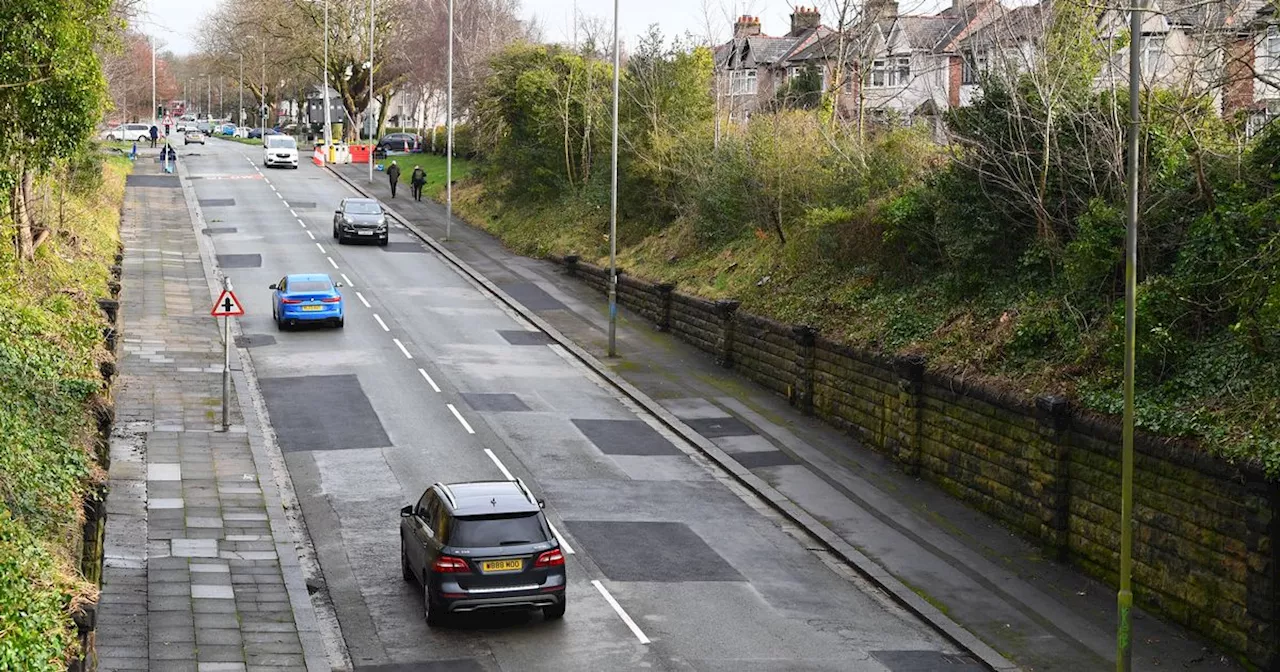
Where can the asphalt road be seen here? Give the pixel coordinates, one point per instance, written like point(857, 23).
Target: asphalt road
point(431, 380)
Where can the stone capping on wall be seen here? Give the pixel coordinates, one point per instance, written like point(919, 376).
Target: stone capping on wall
point(1040, 465)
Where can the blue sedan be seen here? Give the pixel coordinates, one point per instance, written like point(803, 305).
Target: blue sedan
point(306, 298)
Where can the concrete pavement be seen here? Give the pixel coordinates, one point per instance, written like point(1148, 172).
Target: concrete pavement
point(200, 569)
point(1042, 614)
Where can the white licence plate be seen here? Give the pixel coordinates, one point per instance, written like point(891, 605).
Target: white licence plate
point(365, 233)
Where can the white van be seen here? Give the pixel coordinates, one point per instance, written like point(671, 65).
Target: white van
point(280, 150)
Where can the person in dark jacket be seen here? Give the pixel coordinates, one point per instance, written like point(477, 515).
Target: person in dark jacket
point(417, 181)
point(393, 174)
point(155, 133)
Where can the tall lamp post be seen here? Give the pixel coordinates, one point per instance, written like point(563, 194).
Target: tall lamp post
point(240, 109)
point(448, 151)
point(208, 101)
point(154, 112)
point(613, 201)
point(371, 129)
point(328, 132)
point(1124, 599)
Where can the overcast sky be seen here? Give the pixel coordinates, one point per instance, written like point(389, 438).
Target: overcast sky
point(177, 22)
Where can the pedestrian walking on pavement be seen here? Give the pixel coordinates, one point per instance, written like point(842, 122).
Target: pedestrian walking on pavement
point(155, 133)
point(393, 174)
point(418, 180)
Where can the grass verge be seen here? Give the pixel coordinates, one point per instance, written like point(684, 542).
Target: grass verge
point(434, 166)
point(50, 349)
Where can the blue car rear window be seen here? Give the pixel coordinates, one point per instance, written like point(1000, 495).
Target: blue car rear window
point(309, 286)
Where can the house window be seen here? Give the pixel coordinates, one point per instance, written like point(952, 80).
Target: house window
point(975, 64)
point(1273, 48)
point(878, 73)
point(793, 72)
point(902, 72)
point(742, 82)
point(751, 81)
point(1152, 51)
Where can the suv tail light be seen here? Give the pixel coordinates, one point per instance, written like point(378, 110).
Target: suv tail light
point(447, 564)
point(550, 559)
point(331, 299)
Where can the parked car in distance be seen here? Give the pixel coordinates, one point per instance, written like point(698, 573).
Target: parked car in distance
point(482, 545)
point(306, 297)
point(400, 142)
point(227, 129)
point(129, 133)
point(193, 136)
point(204, 126)
point(242, 131)
point(279, 150)
point(360, 219)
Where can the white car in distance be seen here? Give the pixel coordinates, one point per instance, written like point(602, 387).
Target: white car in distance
point(280, 150)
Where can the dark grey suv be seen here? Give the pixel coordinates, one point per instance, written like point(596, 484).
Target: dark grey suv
point(481, 545)
point(360, 219)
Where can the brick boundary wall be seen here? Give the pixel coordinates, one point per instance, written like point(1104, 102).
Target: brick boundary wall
point(1048, 470)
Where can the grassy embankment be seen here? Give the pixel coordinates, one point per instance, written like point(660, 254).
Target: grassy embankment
point(50, 348)
point(433, 164)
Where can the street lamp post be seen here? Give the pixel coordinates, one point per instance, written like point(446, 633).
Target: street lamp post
point(371, 91)
point(208, 101)
point(613, 201)
point(448, 151)
point(154, 121)
point(240, 110)
point(328, 132)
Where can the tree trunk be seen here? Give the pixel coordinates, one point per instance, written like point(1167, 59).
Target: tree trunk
point(385, 102)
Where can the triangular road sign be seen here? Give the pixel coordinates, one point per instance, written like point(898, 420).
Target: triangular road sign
point(227, 305)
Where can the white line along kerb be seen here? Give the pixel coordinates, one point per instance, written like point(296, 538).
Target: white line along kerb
point(361, 297)
point(430, 382)
point(401, 346)
point(461, 419)
point(378, 318)
point(501, 467)
point(635, 629)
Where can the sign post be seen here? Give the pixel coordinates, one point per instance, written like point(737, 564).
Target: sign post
point(226, 307)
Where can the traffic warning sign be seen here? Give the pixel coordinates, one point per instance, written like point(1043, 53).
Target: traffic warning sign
point(227, 305)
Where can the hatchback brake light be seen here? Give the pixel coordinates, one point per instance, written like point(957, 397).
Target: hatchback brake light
point(331, 299)
point(552, 558)
point(447, 564)
point(290, 301)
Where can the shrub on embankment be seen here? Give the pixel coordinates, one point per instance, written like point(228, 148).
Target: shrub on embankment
point(51, 346)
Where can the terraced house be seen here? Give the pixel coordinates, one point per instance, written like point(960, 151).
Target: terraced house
point(908, 67)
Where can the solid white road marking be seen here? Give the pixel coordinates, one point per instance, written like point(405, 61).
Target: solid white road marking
point(401, 346)
point(313, 236)
point(461, 419)
point(564, 545)
point(361, 297)
point(321, 248)
point(332, 262)
point(380, 322)
point(635, 629)
point(346, 279)
point(501, 466)
point(430, 382)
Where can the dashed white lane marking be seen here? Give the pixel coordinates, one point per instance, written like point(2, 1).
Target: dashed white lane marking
point(286, 204)
point(313, 236)
point(564, 545)
point(461, 419)
point(501, 467)
point(319, 246)
point(332, 262)
point(273, 188)
point(635, 629)
point(302, 224)
point(293, 213)
point(380, 322)
point(346, 279)
point(401, 346)
point(361, 297)
point(430, 382)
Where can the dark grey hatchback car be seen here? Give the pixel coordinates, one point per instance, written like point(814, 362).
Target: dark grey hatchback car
point(360, 219)
point(481, 545)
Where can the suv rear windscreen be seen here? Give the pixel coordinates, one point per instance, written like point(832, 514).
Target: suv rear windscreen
point(493, 531)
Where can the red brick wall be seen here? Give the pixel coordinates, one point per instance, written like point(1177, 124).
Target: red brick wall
point(955, 72)
point(1237, 91)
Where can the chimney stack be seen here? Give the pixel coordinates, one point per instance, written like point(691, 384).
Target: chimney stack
point(804, 18)
point(746, 26)
point(881, 10)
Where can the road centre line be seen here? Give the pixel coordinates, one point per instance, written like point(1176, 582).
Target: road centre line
point(293, 213)
point(302, 224)
point(286, 204)
point(332, 262)
point(430, 382)
point(461, 419)
point(501, 466)
point(635, 629)
point(321, 248)
point(564, 545)
point(401, 346)
point(379, 319)
point(361, 297)
point(348, 281)
point(313, 236)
